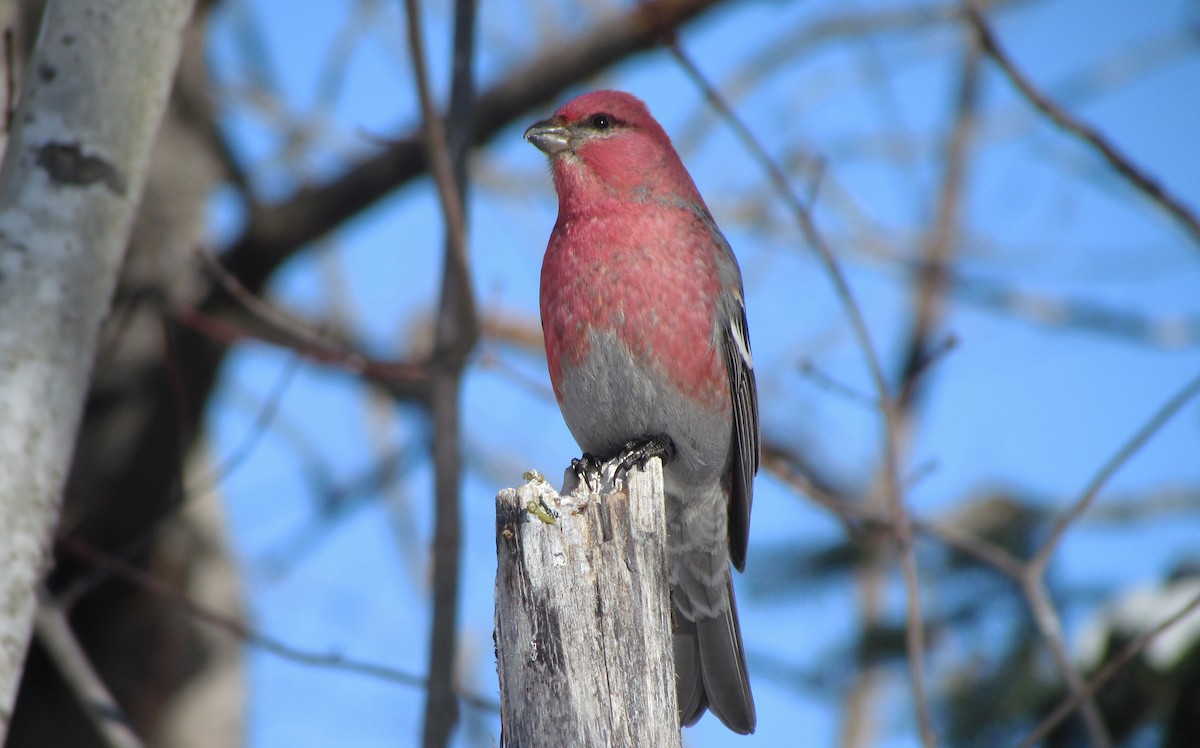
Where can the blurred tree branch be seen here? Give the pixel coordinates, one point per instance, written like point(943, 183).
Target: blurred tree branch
point(275, 232)
point(891, 490)
point(60, 643)
point(1134, 175)
point(457, 330)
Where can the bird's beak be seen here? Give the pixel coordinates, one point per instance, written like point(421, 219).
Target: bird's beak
point(550, 136)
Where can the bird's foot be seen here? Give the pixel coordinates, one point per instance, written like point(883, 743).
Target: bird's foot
point(586, 466)
point(638, 451)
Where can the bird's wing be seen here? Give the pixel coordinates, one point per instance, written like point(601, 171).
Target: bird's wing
point(744, 396)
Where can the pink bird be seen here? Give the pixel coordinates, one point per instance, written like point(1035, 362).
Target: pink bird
point(645, 328)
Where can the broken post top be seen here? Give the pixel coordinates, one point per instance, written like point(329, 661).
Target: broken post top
point(583, 617)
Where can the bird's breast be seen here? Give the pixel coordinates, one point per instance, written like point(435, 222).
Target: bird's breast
point(628, 314)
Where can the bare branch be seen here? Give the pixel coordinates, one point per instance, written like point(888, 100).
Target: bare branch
point(1041, 560)
point(262, 420)
point(848, 25)
point(239, 630)
point(942, 243)
point(1167, 331)
point(402, 379)
point(1046, 617)
point(457, 331)
point(276, 232)
point(902, 524)
point(1114, 665)
point(1087, 134)
point(98, 704)
point(1033, 575)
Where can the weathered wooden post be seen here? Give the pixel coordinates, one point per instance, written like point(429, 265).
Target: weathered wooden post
point(583, 614)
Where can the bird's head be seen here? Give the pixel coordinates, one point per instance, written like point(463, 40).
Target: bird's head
point(597, 120)
point(608, 140)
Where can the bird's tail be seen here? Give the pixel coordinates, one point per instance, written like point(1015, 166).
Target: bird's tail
point(710, 669)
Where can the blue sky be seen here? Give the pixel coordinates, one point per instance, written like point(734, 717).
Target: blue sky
point(1017, 403)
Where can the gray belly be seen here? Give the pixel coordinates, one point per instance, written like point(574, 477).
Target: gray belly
point(610, 400)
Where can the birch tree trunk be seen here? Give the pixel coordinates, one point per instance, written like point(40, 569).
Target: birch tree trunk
point(583, 615)
point(93, 96)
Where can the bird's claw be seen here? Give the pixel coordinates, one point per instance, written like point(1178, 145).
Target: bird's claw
point(585, 466)
point(638, 451)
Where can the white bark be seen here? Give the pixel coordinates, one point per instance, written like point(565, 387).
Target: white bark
point(583, 616)
point(74, 166)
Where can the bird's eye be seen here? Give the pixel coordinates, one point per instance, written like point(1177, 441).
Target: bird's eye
point(602, 121)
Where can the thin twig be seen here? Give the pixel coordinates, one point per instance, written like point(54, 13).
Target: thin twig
point(231, 626)
point(1032, 579)
point(836, 387)
point(262, 421)
point(457, 331)
point(106, 716)
point(858, 518)
point(1119, 162)
point(845, 26)
point(1169, 503)
point(786, 467)
point(274, 318)
point(1042, 559)
point(403, 379)
point(1046, 618)
point(982, 549)
point(942, 242)
point(929, 307)
point(434, 132)
point(1077, 314)
point(277, 231)
point(1104, 674)
point(1032, 582)
point(902, 524)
